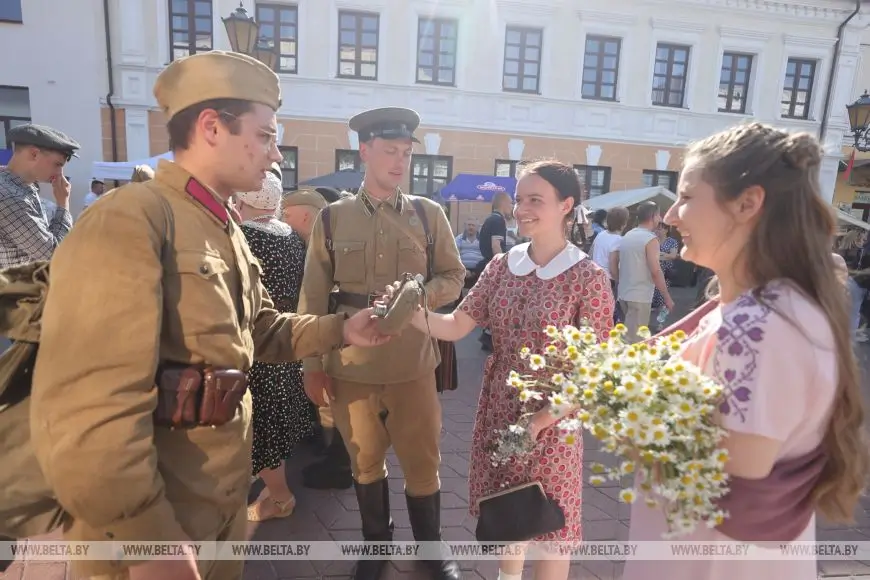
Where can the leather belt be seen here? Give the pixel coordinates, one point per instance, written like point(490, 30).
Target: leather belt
point(352, 300)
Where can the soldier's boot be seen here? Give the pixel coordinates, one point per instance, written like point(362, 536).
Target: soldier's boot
point(377, 525)
point(425, 516)
point(333, 471)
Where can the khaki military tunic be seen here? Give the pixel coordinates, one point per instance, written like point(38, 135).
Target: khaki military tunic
point(370, 253)
point(112, 314)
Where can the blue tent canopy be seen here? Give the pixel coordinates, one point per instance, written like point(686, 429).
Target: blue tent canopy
point(5, 156)
point(471, 187)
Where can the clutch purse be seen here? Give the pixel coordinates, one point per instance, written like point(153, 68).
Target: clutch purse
point(517, 515)
point(395, 315)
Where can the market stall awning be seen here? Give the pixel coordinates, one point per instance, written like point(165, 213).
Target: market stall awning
point(123, 170)
point(629, 197)
point(342, 180)
point(472, 187)
point(848, 218)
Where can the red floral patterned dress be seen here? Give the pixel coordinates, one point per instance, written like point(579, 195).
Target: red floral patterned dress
point(517, 309)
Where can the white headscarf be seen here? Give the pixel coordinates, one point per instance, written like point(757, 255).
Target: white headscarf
point(269, 196)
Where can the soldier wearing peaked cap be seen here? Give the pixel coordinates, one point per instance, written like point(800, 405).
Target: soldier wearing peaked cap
point(362, 244)
point(126, 459)
point(39, 155)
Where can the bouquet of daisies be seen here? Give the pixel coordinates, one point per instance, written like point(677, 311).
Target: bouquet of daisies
point(645, 404)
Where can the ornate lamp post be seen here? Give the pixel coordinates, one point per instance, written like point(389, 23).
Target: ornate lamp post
point(859, 122)
point(243, 32)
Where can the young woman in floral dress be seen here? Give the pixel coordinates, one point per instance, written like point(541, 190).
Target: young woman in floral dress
point(547, 281)
point(778, 340)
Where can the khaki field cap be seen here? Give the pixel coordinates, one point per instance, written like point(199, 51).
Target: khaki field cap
point(215, 75)
point(307, 197)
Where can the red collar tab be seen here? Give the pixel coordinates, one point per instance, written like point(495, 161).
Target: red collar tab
point(197, 191)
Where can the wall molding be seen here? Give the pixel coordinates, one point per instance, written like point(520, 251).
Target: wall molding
point(677, 25)
point(596, 17)
point(768, 8)
point(744, 34)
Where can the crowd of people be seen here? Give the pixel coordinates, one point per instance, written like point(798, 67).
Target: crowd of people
point(208, 276)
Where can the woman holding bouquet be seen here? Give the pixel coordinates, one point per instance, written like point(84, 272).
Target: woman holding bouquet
point(777, 339)
point(547, 281)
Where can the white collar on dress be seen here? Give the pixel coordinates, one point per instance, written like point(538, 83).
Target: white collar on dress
point(520, 264)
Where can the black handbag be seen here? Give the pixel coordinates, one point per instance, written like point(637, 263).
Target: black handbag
point(517, 515)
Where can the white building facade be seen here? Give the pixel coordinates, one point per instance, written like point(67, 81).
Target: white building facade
point(615, 89)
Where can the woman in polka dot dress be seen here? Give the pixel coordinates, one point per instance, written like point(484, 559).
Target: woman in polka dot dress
point(282, 415)
point(546, 281)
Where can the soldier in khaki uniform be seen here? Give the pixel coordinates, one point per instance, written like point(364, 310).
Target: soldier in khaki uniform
point(386, 395)
point(157, 281)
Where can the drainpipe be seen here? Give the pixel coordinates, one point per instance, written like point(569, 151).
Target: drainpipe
point(112, 122)
point(834, 63)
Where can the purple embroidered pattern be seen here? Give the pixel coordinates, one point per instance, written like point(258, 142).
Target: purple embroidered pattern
point(735, 362)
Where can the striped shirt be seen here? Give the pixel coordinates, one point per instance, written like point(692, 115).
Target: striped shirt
point(26, 234)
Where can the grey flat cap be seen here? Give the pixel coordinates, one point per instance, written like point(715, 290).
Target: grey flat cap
point(44, 138)
point(386, 123)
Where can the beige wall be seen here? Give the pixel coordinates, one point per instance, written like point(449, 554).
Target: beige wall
point(472, 152)
point(120, 131)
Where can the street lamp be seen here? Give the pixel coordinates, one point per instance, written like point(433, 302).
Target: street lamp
point(859, 121)
point(243, 32)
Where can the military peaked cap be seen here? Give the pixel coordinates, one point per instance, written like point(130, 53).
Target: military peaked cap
point(44, 138)
point(386, 123)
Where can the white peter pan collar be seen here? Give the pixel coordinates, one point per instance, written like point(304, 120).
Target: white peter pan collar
point(520, 264)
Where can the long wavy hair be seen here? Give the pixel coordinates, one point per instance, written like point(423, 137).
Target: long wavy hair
point(792, 239)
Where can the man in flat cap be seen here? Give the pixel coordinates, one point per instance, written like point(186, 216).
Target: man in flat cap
point(150, 439)
point(39, 155)
point(362, 244)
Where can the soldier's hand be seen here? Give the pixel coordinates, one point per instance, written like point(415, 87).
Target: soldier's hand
point(361, 329)
point(316, 385)
point(184, 569)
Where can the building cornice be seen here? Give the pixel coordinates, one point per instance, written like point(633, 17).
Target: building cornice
point(596, 17)
point(677, 25)
point(780, 9)
point(744, 34)
point(536, 7)
point(808, 41)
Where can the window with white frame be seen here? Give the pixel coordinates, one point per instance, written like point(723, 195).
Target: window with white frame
point(191, 28)
point(797, 89)
point(358, 44)
point(601, 67)
point(670, 74)
point(734, 79)
point(522, 59)
point(436, 51)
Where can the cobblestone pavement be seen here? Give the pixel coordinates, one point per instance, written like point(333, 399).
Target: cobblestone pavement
point(334, 515)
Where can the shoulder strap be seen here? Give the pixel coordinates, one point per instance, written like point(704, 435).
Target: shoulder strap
point(430, 241)
point(168, 223)
point(327, 234)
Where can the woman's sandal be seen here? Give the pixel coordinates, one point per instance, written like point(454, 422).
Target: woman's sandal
point(284, 509)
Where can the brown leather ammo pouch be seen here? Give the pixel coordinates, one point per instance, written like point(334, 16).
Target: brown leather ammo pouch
point(190, 396)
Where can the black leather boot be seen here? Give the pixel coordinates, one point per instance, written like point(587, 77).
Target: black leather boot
point(333, 472)
point(425, 516)
point(377, 525)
